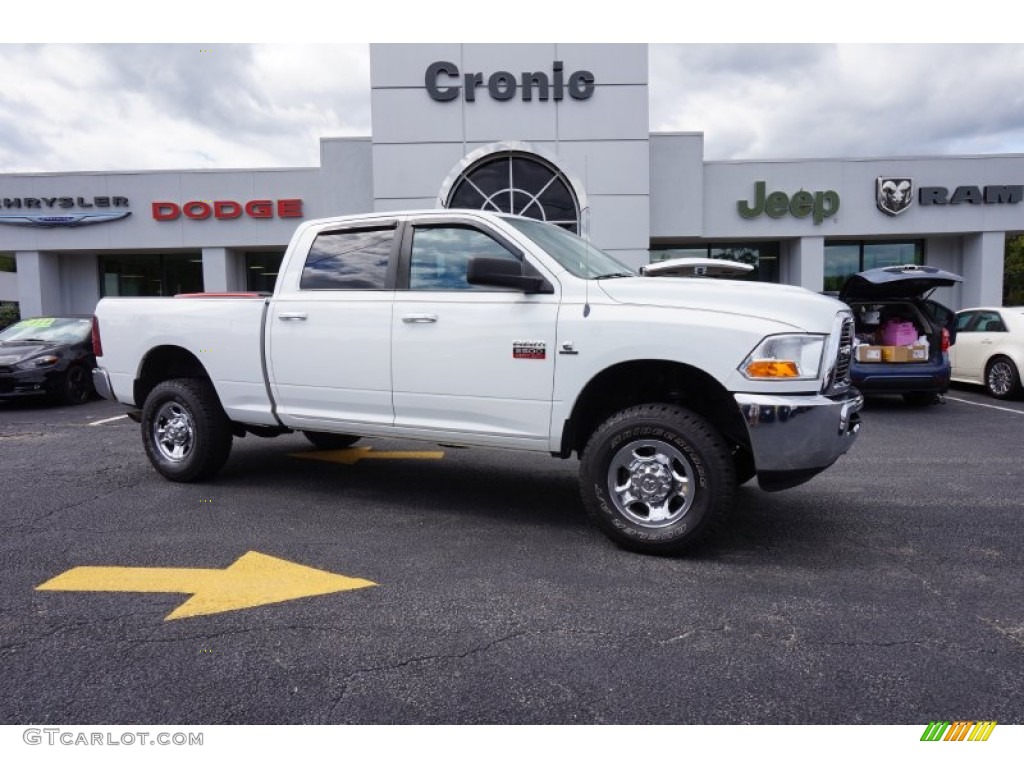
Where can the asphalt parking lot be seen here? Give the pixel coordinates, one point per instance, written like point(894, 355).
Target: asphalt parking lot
point(887, 590)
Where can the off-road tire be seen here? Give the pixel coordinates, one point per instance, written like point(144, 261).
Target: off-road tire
point(677, 463)
point(185, 431)
point(329, 441)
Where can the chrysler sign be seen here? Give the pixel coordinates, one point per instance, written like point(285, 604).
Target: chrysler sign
point(58, 211)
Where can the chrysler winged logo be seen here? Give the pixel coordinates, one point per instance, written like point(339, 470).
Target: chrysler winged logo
point(893, 196)
point(61, 220)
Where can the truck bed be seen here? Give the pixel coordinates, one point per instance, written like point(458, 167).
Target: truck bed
point(223, 332)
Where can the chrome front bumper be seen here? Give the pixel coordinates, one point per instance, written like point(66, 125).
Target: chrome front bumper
point(794, 437)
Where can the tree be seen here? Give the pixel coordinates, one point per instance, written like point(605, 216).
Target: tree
point(1013, 272)
point(9, 313)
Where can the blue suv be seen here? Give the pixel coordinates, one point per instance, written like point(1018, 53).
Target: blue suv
point(919, 369)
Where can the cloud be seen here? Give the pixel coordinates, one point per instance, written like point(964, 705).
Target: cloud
point(118, 107)
point(154, 106)
point(779, 101)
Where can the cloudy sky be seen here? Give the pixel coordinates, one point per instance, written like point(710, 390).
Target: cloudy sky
point(90, 106)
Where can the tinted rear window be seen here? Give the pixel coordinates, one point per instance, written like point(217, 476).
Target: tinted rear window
point(356, 260)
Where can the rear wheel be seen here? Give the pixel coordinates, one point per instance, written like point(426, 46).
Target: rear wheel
point(656, 478)
point(1002, 379)
point(329, 441)
point(185, 431)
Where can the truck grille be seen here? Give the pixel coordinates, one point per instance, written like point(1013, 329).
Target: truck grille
point(837, 379)
point(845, 355)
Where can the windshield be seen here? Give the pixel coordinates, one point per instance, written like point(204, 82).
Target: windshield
point(579, 257)
point(59, 330)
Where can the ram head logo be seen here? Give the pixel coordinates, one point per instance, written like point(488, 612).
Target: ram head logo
point(894, 196)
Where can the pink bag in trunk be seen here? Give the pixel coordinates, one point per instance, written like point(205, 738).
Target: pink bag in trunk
point(898, 334)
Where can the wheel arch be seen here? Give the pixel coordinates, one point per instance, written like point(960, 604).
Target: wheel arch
point(165, 362)
point(636, 382)
point(1017, 358)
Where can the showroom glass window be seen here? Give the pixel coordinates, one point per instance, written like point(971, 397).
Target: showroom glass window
point(843, 259)
point(261, 269)
point(763, 257)
point(522, 184)
point(151, 274)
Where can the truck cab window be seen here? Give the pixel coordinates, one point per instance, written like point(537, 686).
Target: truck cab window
point(356, 260)
point(440, 256)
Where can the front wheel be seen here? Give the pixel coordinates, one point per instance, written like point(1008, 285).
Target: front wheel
point(1002, 379)
point(76, 388)
point(185, 431)
point(657, 478)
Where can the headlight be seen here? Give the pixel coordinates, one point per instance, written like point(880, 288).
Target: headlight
point(37, 362)
point(787, 356)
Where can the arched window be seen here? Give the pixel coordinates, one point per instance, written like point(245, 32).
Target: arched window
point(514, 182)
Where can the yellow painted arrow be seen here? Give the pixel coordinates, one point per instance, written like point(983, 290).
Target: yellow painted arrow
point(352, 455)
point(253, 579)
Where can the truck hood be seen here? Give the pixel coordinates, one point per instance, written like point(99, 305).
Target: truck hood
point(787, 304)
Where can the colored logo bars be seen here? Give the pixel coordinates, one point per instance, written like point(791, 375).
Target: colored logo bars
point(958, 730)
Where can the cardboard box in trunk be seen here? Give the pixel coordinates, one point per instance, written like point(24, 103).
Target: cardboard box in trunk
point(871, 353)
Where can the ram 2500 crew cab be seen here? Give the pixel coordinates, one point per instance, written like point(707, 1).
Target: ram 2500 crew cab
point(472, 328)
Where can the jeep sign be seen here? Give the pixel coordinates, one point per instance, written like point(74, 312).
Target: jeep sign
point(818, 205)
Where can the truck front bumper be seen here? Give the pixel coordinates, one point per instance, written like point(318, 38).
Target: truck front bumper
point(794, 437)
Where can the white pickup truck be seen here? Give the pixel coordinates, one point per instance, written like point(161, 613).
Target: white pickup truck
point(471, 328)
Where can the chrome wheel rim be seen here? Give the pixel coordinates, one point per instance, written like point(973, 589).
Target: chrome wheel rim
point(651, 483)
point(174, 432)
point(1000, 378)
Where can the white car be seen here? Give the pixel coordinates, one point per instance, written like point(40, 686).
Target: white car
point(989, 349)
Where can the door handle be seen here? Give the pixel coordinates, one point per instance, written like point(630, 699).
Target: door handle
point(293, 315)
point(419, 318)
point(987, 341)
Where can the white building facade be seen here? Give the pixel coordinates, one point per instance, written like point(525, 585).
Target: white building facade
point(553, 131)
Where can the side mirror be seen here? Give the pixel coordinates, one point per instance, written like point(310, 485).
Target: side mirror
point(504, 273)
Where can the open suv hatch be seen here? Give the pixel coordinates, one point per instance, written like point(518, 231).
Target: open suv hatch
point(901, 336)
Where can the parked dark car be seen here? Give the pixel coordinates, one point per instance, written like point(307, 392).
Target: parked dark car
point(48, 356)
point(902, 337)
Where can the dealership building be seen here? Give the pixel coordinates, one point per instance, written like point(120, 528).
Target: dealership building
point(553, 131)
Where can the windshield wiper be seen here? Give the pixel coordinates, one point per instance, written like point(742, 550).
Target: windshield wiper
point(614, 274)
